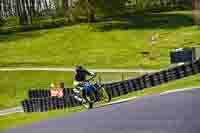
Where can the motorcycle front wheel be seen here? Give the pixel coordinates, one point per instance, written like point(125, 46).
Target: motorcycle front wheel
point(89, 100)
point(104, 95)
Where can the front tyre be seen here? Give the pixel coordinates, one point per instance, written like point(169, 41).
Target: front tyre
point(90, 99)
point(106, 96)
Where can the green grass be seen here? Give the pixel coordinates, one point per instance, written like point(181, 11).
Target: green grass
point(18, 119)
point(116, 44)
point(26, 118)
point(14, 85)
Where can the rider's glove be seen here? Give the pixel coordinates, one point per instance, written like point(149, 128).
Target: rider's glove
point(92, 73)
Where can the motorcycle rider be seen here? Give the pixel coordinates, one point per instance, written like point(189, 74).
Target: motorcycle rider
point(79, 81)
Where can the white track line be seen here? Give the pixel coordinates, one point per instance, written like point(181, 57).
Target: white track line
point(117, 102)
point(11, 111)
point(72, 69)
point(179, 90)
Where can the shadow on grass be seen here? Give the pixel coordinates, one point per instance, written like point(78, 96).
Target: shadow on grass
point(144, 21)
point(20, 32)
point(17, 36)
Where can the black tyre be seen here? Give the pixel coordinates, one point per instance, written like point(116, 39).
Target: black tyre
point(90, 100)
point(106, 96)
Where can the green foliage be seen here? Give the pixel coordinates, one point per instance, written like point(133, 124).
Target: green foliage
point(2, 21)
point(110, 7)
point(86, 8)
point(9, 21)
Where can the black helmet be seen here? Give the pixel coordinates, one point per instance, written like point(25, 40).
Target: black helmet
point(78, 68)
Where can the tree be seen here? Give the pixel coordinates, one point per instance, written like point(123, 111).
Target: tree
point(196, 11)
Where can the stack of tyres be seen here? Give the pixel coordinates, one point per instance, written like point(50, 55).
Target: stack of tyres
point(42, 105)
point(68, 91)
point(30, 106)
point(197, 65)
point(135, 84)
point(161, 77)
point(50, 103)
point(25, 105)
point(189, 69)
point(167, 74)
point(177, 72)
point(184, 70)
point(66, 102)
point(38, 103)
point(140, 83)
point(172, 72)
point(114, 90)
point(195, 68)
point(147, 81)
point(38, 93)
point(30, 94)
point(128, 86)
point(54, 102)
point(61, 103)
point(155, 79)
point(124, 88)
point(71, 101)
point(45, 105)
point(181, 72)
point(119, 88)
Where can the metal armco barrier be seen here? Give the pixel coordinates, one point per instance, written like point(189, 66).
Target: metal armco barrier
point(40, 100)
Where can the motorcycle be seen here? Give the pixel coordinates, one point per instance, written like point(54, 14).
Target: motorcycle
point(90, 93)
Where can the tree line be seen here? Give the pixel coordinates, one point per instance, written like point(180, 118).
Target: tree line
point(28, 10)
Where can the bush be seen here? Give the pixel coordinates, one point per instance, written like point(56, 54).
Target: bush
point(2, 21)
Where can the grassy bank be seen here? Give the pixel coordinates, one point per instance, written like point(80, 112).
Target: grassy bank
point(119, 43)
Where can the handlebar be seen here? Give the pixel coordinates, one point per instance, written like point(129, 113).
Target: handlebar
point(92, 77)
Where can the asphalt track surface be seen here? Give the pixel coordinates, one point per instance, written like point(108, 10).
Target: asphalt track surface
point(177, 112)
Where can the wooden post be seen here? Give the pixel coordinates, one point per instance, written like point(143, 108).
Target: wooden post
point(99, 78)
point(122, 76)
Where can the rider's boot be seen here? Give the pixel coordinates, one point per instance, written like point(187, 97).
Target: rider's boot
point(82, 100)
